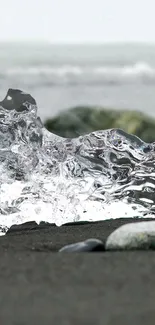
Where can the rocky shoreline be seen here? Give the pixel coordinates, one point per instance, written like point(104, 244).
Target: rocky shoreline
point(40, 282)
point(40, 286)
point(114, 234)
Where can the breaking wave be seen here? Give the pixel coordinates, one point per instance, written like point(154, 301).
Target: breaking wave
point(43, 177)
point(140, 72)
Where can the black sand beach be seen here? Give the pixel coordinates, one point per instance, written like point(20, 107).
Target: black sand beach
point(39, 286)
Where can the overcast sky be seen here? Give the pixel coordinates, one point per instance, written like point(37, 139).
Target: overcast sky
point(78, 21)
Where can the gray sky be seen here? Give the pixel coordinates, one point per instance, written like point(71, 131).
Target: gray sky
point(78, 21)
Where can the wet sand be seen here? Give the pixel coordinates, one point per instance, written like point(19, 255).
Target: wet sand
point(40, 286)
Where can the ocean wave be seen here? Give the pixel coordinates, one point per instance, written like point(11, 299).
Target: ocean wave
point(45, 70)
point(138, 69)
point(44, 177)
point(140, 72)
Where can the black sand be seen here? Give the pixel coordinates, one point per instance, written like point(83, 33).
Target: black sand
point(39, 286)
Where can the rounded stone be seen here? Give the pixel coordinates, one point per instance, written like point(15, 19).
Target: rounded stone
point(89, 245)
point(138, 235)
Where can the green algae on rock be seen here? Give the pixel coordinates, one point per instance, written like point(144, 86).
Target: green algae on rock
point(80, 120)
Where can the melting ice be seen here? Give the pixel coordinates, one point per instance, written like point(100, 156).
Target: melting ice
point(43, 177)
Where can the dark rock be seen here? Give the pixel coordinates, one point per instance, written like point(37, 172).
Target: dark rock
point(89, 245)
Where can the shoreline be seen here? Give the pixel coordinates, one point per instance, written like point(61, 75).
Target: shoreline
point(39, 286)
point(46, 233)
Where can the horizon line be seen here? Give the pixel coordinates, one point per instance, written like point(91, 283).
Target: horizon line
point(83, 43)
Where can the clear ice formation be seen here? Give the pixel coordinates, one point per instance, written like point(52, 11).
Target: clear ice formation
point(44, 177)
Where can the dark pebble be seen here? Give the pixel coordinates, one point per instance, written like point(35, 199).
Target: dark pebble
point(89, 245)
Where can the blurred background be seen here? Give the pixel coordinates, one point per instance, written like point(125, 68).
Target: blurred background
point(95, 57)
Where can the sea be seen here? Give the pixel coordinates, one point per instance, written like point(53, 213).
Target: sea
point(106, 174)
point(119, 76)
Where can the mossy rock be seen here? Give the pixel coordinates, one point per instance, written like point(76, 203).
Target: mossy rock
point(82, 120)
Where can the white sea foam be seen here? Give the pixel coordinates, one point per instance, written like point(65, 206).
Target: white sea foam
point(138, 72)
point(43, 177)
